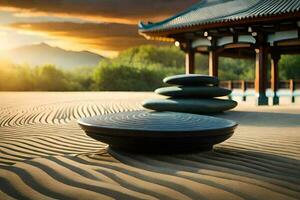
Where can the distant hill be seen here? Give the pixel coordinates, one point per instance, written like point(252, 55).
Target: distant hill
point(43, 53)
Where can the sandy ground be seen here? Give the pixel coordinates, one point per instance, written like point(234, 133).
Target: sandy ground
point(45, 155)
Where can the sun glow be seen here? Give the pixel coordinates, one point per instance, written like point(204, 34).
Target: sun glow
point(10, 39)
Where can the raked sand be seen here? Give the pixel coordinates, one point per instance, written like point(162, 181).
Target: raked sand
point(45, 155)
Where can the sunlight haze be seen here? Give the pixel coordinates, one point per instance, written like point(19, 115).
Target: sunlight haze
point(102, 27)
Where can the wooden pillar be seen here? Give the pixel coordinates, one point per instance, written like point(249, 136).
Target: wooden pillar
point(190, 61)
point(261, 75)
point(274, 76)
point(292, 89)
point(213, 62)
point(244, 88)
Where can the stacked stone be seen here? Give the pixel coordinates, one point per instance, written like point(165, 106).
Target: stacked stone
point(192, 93)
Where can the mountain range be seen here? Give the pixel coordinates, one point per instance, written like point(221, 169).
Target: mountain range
point(41, 54)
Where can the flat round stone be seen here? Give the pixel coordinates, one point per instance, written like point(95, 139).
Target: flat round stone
point(198, 106)
point(191, 79)
point(159, 132)
point(196, 91)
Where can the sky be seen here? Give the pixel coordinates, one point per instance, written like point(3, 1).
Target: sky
point(101, 26)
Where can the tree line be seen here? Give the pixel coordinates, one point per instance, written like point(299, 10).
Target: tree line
point(139, 68)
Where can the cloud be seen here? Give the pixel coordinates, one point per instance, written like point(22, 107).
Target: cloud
point(122, 11)
point(104, 36)
point(96, 25)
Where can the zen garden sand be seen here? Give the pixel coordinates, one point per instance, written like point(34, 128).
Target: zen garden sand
point(45, 154)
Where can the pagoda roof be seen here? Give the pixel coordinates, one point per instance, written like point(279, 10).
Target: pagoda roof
point(221, 12)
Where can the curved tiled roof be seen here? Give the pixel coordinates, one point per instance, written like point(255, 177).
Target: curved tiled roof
point(217, 11)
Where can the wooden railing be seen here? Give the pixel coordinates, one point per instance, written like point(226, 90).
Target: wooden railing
point(244, 85)
point(291, 84)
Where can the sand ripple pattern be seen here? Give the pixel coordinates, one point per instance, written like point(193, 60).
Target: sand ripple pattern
point(60, 113)
point(27, 142)
point(221, 174)
point(52, 158)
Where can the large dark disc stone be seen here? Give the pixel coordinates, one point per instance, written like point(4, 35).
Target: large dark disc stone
point(191, 79)
point(158, 132)
point(195, 91)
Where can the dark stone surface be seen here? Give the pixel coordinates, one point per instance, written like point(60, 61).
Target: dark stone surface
point(191, 79)
point(158, 132)
point(189, 92)
point(197, 106)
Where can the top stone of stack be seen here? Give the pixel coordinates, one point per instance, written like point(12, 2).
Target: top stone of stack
point(191, 79)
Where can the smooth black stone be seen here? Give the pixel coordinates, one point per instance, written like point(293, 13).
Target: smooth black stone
point(191, 79)
point(197, 106)
point(158, 132)
point(197, 91)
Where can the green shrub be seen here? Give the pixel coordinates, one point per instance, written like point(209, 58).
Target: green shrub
point(125, 78)
point(49, 78)
point(236, 69)
point(289, 67)
point(149, 55)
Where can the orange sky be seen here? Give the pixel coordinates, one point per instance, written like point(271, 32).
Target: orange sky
point(101, 26)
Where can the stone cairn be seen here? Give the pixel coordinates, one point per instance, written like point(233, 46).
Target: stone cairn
point(192, 93)
point(168, 132)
